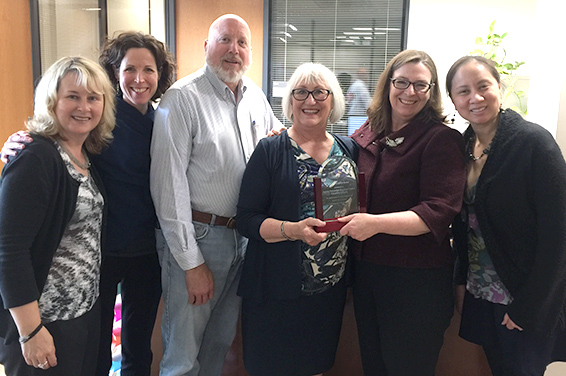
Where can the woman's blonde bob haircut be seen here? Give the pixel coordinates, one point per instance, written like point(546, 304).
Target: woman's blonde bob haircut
point(316, 74)
point(89, 75)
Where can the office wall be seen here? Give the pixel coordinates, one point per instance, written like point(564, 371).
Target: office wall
point(447, 30)
point(16, 96)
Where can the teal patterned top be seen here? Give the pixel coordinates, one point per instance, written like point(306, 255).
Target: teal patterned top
point(323, 265)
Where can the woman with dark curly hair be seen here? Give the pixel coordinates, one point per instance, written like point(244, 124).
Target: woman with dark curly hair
point(142, 69)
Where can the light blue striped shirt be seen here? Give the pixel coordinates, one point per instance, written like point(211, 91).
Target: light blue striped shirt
point(203, 137)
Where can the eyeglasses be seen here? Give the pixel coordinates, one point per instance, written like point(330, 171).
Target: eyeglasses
point(420, 87)
point(317, 94)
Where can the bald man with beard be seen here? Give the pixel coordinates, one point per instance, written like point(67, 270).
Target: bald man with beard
point(205, 131)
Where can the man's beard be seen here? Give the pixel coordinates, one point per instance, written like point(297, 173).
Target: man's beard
point(226, 75)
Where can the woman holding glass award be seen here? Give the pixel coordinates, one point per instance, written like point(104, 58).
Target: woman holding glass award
point(292, 282)
point(414, 166)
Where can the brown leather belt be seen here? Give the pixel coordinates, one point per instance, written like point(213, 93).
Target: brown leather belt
point(218, 220)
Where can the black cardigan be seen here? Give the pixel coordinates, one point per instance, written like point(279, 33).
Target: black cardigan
point(37, 200)
point(270, 189)
point(521, 208)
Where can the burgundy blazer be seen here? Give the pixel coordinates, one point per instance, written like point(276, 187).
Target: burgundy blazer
point(423, 171)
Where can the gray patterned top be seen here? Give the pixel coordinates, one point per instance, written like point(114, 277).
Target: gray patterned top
point(72, 284)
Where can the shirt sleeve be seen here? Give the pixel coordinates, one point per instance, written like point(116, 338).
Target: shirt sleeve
point(255, 194)
point(272, 122)
point(171, 148)
point(443, 180)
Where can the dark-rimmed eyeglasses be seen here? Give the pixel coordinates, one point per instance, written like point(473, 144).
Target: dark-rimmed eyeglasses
point(419, 86)
point(317, 94)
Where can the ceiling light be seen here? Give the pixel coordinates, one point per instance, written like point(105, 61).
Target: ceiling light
point(356, 33)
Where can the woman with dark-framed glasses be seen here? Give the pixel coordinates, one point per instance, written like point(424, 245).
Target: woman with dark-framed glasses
point(292, 281)
point(403, 296)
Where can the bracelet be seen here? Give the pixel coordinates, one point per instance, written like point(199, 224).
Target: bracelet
point(24, 339)
point(283, 232)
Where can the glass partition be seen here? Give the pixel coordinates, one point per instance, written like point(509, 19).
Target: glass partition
point(354, 38)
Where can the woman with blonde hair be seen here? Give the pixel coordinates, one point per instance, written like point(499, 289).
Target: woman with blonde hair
point(52, 217)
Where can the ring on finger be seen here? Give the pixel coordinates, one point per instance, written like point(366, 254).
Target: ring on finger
point(42, 365)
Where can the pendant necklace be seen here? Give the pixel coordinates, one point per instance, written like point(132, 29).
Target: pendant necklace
point(84, 166)
point(471, 149)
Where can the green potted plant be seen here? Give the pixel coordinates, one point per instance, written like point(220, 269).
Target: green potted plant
point(492, 48)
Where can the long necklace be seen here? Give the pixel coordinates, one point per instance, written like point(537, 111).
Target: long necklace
point(471, 149)
point(84, 166)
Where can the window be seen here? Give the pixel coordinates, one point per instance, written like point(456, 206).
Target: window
point(65, 27)
point(344, 35)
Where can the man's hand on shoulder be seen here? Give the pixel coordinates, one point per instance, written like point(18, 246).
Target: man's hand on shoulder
point(200, 284)
point(276, 132)
point(14, 144)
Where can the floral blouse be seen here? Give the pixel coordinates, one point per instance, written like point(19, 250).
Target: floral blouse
point(324, 264)
point(483, 281)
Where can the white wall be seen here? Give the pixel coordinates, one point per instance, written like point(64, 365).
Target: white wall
point(447, 29)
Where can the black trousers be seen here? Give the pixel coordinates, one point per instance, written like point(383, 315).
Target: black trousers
point(140, 279)
point(76, 347)
point(401, 315)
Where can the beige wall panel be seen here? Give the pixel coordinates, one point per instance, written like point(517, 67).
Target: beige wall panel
point(195, 16)
point(16, 96)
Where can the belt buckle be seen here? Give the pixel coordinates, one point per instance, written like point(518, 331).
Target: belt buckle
point(231, 224)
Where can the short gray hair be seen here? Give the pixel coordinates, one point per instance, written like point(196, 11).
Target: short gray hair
point(314, 73)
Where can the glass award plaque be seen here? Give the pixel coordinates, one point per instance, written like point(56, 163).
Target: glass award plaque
point(339, 190)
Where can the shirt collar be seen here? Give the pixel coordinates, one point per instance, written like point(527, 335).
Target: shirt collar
point(220, 86)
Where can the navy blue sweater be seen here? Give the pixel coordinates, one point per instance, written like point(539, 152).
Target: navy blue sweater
point(124, 169)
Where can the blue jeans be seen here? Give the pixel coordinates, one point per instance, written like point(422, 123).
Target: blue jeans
point(197, 338)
